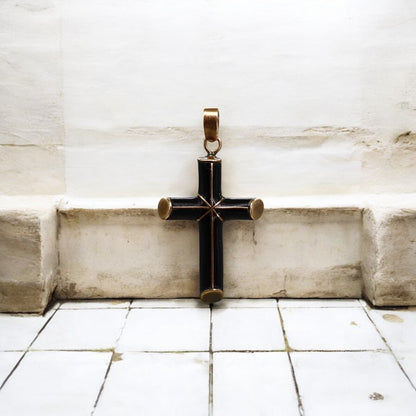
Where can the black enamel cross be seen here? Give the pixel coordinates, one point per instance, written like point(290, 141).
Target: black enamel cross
point(210, 209)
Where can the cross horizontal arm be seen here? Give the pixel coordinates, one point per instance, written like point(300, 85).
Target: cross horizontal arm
point(240, 209)
point(181, 208)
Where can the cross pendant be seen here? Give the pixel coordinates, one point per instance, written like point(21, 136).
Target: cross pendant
point(210, 209)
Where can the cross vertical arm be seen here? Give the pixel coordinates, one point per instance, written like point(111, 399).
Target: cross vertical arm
point(210, 259)
point(209, 184)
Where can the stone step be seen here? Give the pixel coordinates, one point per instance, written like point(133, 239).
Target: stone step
point(305, 247)
point(28, 252)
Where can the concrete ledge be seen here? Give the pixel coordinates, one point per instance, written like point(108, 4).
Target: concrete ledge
point(120, 248)
point(302, 247)
point(28, 253)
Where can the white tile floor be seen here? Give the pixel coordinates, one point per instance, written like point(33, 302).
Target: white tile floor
point(179, 357)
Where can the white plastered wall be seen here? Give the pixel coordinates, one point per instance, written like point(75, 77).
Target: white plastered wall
point(31, 105)
point(314, 96)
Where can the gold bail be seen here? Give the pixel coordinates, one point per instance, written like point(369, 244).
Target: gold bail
point(211, 123)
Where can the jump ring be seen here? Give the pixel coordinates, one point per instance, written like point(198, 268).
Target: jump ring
point(213, 152)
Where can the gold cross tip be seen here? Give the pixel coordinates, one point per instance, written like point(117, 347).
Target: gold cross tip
point(164, 208)
point(211, 295)
point(256, 208)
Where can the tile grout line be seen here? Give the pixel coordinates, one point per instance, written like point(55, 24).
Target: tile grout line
point(28, 348)
point(211, 368)
point(195, 351)
point(113, 356)
point(389, 348)
point(93, 309)
point(288, 349)
point(124, 324)
point(102, 384)
point(300, 404)
point(320, 307)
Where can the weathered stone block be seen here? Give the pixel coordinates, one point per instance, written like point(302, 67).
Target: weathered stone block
point(114, 249)
point(295, 252)
point(28, 254)
point(389, 256)
point(126, 252)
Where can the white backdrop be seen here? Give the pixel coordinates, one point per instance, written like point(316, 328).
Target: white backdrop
point(104, 98)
